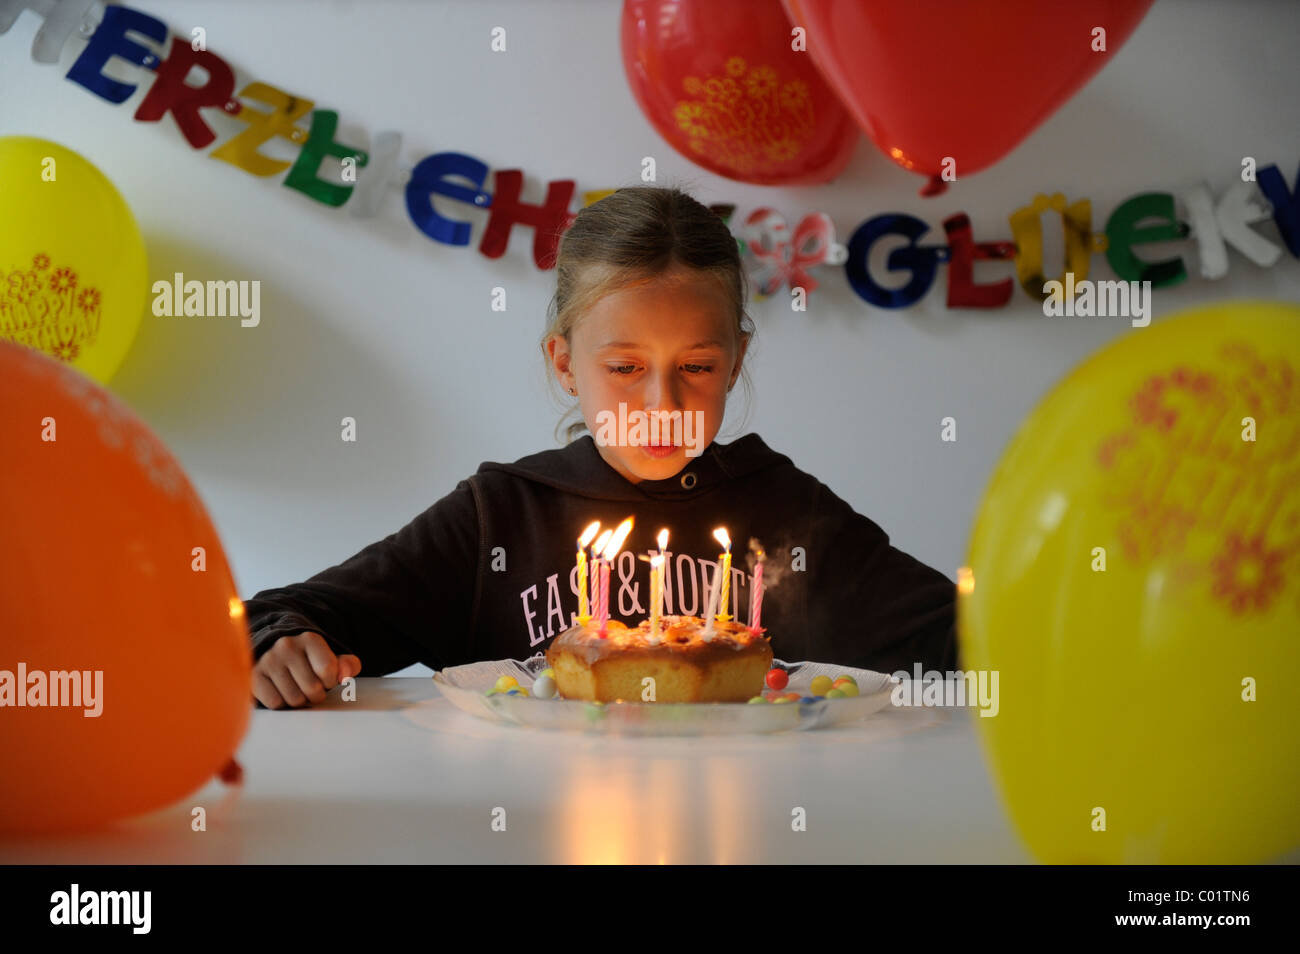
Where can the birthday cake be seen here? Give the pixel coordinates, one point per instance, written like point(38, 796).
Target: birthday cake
point(687, 662)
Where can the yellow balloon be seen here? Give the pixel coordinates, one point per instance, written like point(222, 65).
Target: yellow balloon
point(73, 270)
point(1135, 582)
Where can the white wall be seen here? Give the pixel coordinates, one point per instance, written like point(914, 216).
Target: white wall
point(373, 320)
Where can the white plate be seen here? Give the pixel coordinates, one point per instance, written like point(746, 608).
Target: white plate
point(465, 686)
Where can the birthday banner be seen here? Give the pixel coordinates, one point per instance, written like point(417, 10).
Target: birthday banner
point(776, 256)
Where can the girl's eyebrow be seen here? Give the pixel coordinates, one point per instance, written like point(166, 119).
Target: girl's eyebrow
point(707, 343)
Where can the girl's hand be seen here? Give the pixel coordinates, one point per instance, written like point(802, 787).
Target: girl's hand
point(299, 669)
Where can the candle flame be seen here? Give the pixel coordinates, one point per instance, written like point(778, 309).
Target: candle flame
point(616, 542)
point(656, 560)
point(663, 539)
point(236, 607)
point(965, 580)
point(601, 541)
point(593, 528)
point(720, 535)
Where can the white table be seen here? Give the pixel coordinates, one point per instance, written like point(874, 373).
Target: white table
point(401, 776)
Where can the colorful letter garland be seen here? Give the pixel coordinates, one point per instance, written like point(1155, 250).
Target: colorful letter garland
point(777, 258)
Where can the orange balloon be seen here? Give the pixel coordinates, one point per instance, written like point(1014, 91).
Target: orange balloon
point(109, 567)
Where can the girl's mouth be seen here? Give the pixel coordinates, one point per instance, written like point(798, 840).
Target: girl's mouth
point(659, 450)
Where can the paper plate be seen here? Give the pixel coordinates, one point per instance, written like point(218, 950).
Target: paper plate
point(465, 686)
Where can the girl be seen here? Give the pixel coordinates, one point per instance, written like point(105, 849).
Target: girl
point(648, 319)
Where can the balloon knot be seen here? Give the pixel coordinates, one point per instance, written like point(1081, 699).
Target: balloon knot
point(232, 773)
point(936, 186)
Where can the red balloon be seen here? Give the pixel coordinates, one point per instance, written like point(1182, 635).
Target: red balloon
point(720, 82)
point(929, 80)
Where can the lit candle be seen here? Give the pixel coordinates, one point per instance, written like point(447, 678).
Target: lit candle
point(596, 548)
point(720, 535)
point(663, 567)
point(603, 595)
point(712, 608)
point(656, 594)
point(584, 606)
point(756, 601)
point(608, 553)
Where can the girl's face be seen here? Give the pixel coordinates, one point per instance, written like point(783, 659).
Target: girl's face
point(666, 345)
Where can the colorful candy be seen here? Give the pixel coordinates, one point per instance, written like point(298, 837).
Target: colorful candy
point(544, 686)
point(843, 686)
point(506, 683)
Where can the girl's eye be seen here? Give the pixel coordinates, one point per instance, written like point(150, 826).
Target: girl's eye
point(620, 368)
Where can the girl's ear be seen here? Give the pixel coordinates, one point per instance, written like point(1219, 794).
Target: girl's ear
point(558, 349)
point(740, 362)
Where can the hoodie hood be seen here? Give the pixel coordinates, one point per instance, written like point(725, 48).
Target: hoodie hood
point(579, 469)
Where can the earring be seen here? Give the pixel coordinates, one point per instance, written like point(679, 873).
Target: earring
point(573, 390)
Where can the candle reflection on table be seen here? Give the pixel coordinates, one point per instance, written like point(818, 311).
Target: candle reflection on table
point(616, 810)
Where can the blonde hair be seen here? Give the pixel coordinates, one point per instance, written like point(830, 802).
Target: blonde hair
point(630, 236)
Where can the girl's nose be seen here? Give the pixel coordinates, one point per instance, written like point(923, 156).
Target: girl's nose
point(661, 392)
